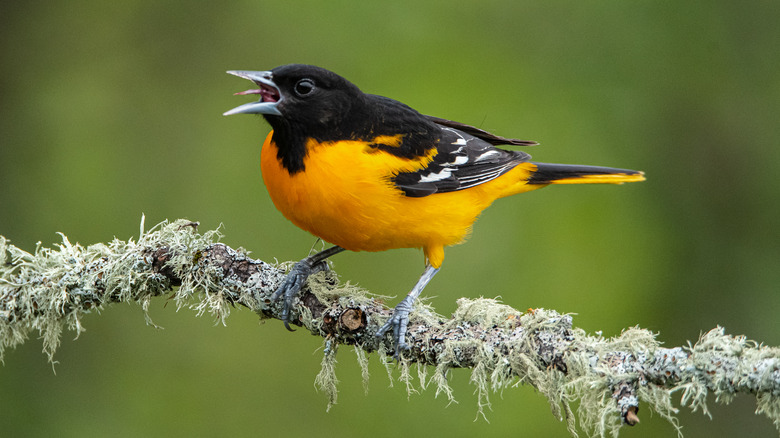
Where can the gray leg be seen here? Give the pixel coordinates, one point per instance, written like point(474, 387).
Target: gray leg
point(400, 318)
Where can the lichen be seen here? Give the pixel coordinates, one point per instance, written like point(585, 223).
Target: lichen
point(50, 290)
point(362, 360)
point(442, 386)
point(326, 380)
point(405, 376)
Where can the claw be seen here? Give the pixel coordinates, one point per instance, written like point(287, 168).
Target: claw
point(399, 321)
point(291, 286)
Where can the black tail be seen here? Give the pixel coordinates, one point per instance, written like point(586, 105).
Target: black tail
point(547, 173)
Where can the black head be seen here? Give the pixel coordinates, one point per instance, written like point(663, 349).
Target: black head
point(309, 99)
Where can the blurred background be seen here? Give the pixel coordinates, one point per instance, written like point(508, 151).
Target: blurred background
point(113, 109)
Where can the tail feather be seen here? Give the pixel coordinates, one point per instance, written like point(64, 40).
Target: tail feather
point(547, 173)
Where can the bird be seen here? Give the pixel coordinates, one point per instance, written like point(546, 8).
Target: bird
point(365, 172)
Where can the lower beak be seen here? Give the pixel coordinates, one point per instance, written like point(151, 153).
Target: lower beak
point(269, 92)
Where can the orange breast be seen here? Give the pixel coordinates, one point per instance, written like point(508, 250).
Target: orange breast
point(346, 197)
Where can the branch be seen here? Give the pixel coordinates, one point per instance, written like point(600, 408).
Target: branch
point(609, 377)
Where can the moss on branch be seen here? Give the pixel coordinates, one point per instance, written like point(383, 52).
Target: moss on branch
point(52, 288)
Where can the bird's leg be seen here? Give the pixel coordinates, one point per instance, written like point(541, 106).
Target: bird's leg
point(400, 318)
point(295, 280)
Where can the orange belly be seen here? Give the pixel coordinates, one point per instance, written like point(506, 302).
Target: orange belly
point(346, 197)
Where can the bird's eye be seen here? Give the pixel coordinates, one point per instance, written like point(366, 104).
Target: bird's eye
point(304, 87)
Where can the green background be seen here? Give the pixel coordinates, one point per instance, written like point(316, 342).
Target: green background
point(113, 109)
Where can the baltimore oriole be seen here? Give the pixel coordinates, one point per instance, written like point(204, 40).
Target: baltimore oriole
point(368, 173)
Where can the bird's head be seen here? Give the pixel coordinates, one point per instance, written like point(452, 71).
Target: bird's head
point(300, 96)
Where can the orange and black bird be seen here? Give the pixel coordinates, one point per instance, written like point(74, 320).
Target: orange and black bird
point(368, 173)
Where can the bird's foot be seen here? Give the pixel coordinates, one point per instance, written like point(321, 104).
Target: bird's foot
point(398, 322)
point(292, 284)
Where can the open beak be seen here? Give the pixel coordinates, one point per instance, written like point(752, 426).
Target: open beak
point(270, 97)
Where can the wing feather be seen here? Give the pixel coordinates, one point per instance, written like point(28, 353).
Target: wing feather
point(463, 160)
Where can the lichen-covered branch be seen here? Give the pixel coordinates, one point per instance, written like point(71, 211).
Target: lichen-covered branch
point(610, 377)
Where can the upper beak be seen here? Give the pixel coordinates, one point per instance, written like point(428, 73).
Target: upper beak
point(269, 93)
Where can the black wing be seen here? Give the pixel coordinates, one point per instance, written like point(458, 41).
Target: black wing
point(479, 133)
point(463, 160)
